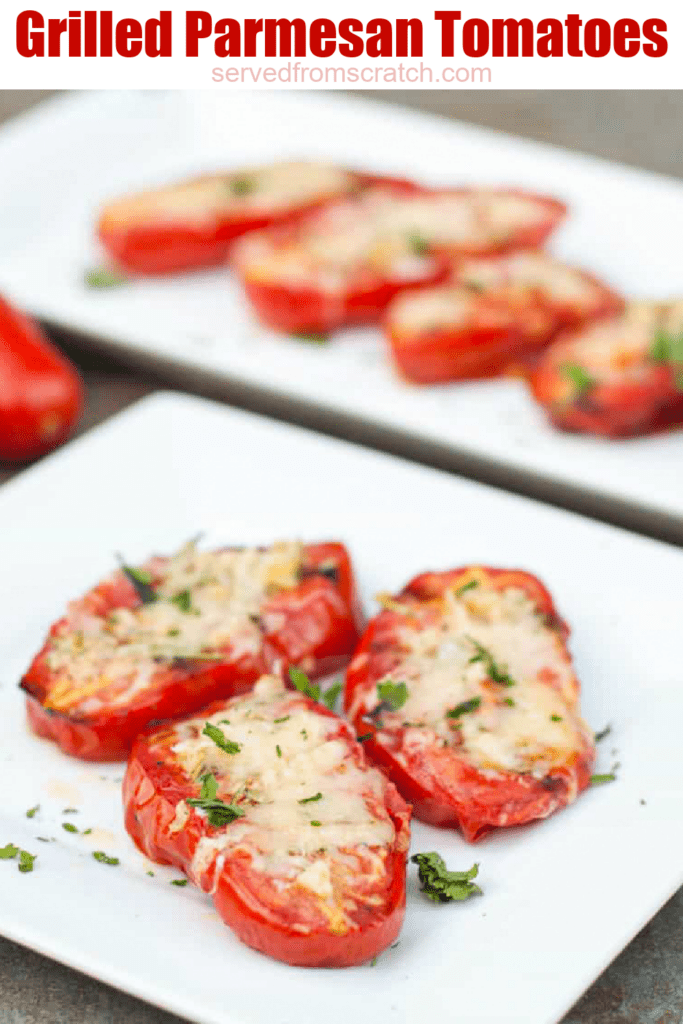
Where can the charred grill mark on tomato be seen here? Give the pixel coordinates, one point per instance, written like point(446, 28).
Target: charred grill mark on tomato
point(219, 619)
point(490, 733)
point(309, 865)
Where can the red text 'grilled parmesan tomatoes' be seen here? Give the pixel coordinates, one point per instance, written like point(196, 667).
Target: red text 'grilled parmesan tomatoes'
point(346, 262)
point(267, 803)
point(167, 638)
point(490, 313)
point(620, 377)
point(466, 688)
point(192, 223)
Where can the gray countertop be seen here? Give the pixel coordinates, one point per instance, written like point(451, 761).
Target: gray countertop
point(645, 984)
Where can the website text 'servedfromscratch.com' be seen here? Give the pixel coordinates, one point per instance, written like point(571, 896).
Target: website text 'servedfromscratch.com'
point(295, 73)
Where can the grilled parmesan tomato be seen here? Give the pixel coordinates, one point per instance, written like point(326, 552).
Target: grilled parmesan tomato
point(167, 638)
point(465, 690)
point(490, 313)
point(344, 263)
point(192, 224)
point(267, 802)
point(617, 378)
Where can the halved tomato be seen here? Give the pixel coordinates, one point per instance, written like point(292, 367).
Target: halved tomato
point(491, 313)
point(168, 637)
point(346, 262)
point(267, 802)
point(617, 378)
point(465, 690)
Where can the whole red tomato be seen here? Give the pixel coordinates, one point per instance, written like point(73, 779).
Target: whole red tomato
point(41, 395)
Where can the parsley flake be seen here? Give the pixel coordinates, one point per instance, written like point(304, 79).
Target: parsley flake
point(278, 750)
point(278, 721)
point(312, 338)
point(464, 707)
point(241, 185)
point(316, 824)
point(579, 377)
point(392, 695)
point(183, 601)
point(331, 696)
point(140, 580)
point(102, 277)
point(465, 587)
point(365, 736)
point(441, 885)
point(9, 852)
point(418, 245)
point(26, 861)
point(603, 733)
point(220, 739)
point(493, 670)
point(311, 799)
point(217, 811)
point(303, 684)
point(600, 780)
point(102, 858)
point(556, 718)
point(68, 827)
point(31, 813)
point(180, 882)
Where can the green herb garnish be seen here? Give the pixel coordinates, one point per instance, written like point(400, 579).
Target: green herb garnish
point(365, 736)
point(33, 811)
point(302, 683)
point(140, 580)
point(220, 739)
point(102, 277)
point(465, 707)
point(579, 377)
point(311, 799)
point(600, 780)
point(312, 338)
point(102, 858)
point(441, 885)
point(278, 751)
point(556, 718)
point(26, 861)
point(419, 245)
point(392, 695)
point(465, 587)
point(278, 721)
point(509, 701)
point(68, 827)
point(183, 600)
point(316, 824)
point(179, 882)
point(9, 852)
point(241, 185)
point(331, 696)
point(603, 733)
point(493, 670)
point(218, 812)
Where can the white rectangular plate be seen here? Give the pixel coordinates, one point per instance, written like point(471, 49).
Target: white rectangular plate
point(61, 162)
point(561, 898)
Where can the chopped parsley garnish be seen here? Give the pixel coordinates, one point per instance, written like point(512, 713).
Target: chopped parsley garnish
point(278, 721)
point(510, 702)
point(26, 861)
point(218, 812)
point(102, 277)
point(603, 733)
point(493, 670)
point(579, 377)
point(68, 827)
point(441, 885)
point(31, 813)
point(102, 858)
point(316, 824)
point(303, 684)
point(220, 739)
point(141, 582)
point(392, 695)
point(668, 348)
point(179, 882)
point(241, 185)
point(600, 780)
point(419, 245)
point(465, 587)
point(9, 852)
point(365, 736)
point(331, 696)
point(70, 810)
point(150, 873)
point(312, 338)
point(464, 707)
point(183, 600)
point(556, 718)
point(311, 799)
point(86, 832)
point(278, 751)
point(173, 632)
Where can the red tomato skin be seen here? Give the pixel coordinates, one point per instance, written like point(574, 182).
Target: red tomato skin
point(444, 789)
point(151, 789)
point(292, 309)
point(314, 626)
point(616, 410)
point(41, 396)
point(496, 339)
point(160, 247)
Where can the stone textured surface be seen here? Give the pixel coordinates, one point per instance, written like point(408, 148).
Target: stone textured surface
point(645, 984)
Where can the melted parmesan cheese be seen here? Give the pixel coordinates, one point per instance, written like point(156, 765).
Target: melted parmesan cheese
point(223, 594)
point(286, 756)
point(383, 230)
point(271, 189)
point(529, 726)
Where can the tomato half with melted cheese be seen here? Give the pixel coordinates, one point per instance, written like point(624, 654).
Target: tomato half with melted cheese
point(218, 620)
point(491, 313)
point(312, 872)
point(192, 224)
point(490, 733)
point(345, 263)
point(617, 378)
